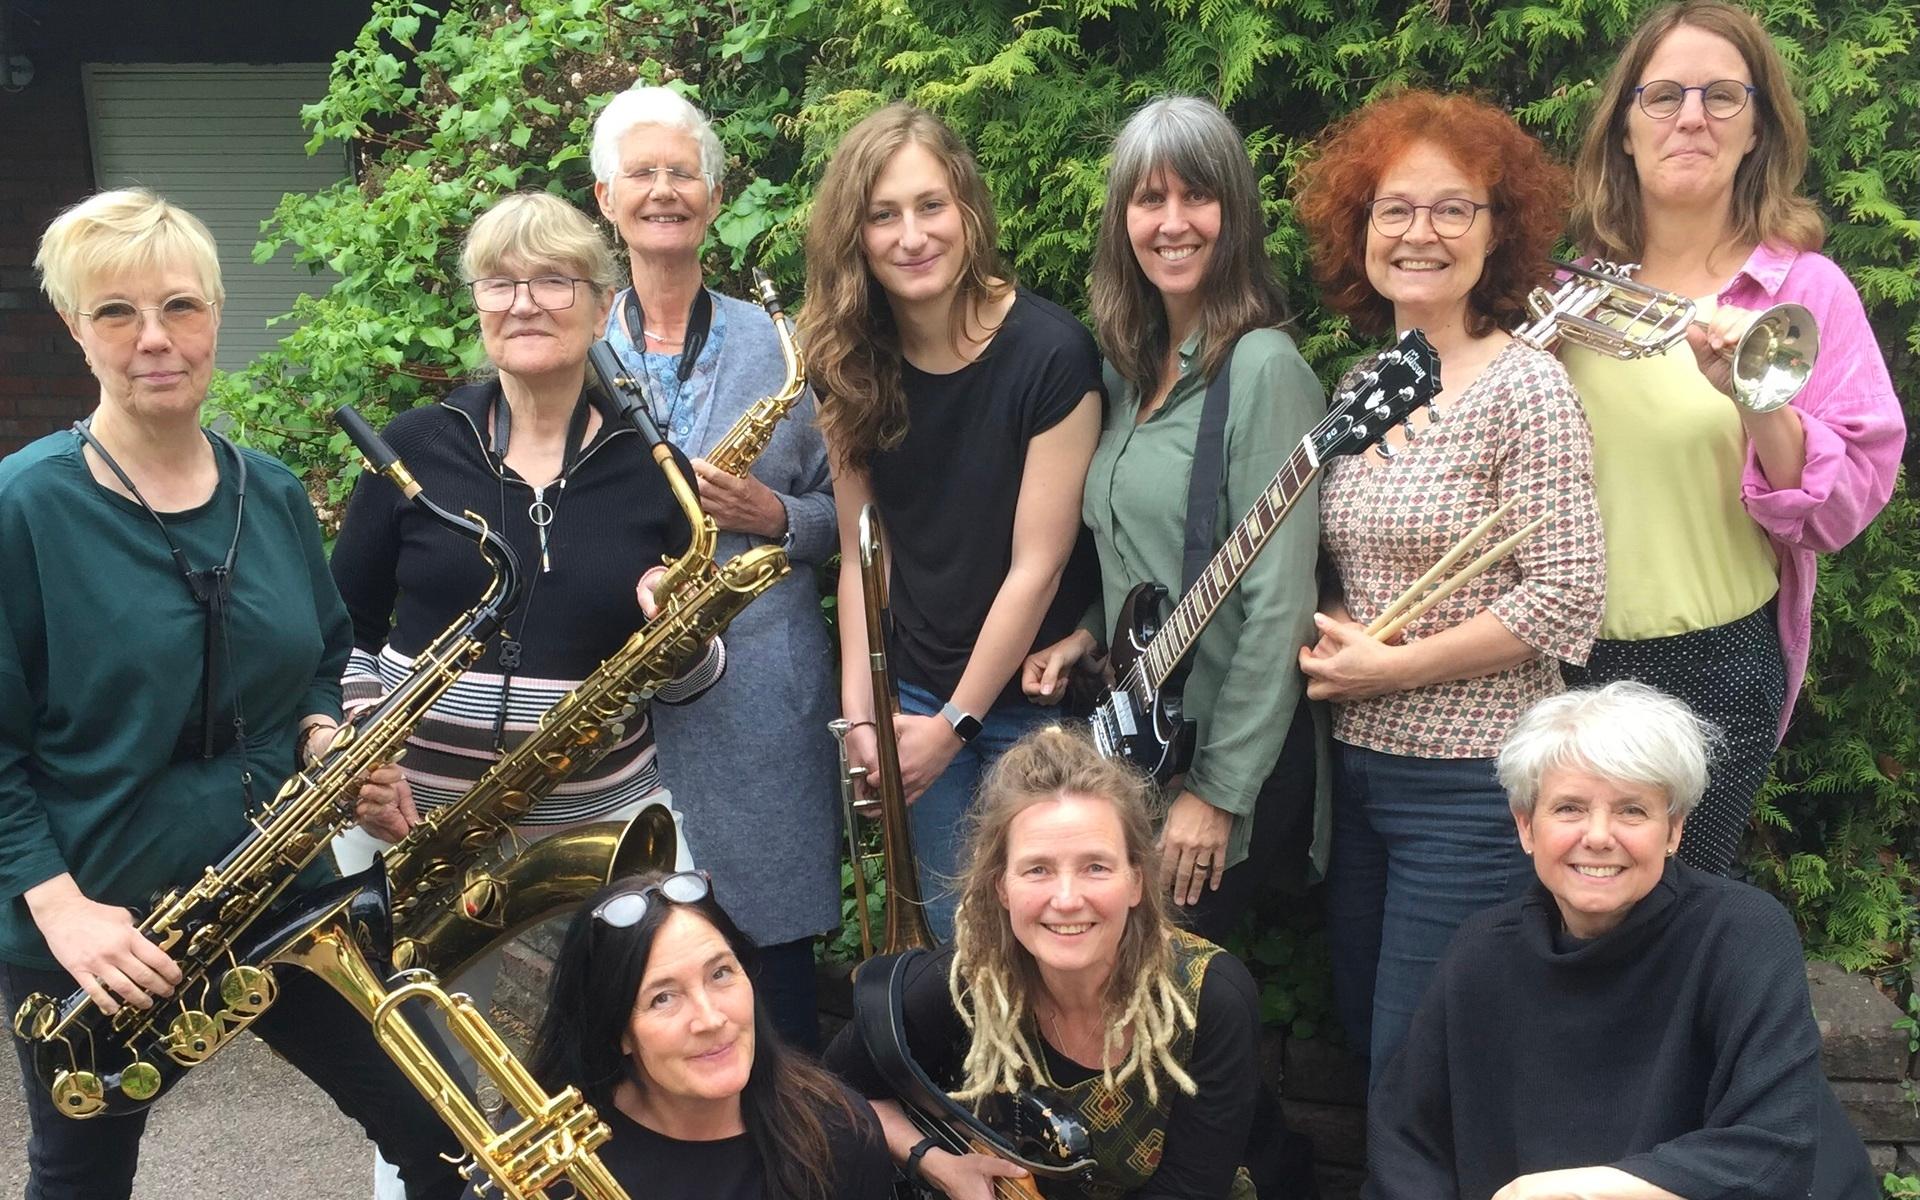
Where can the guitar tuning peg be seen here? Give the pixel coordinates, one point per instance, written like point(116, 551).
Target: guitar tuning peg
point(1385, 451)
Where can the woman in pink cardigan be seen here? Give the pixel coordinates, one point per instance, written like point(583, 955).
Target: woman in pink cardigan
point(1713, 513)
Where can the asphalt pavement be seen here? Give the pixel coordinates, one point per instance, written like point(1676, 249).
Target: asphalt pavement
point(243, 1124)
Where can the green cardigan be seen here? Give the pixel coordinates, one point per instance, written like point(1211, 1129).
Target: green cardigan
point(1245, 682)
point(101, 649)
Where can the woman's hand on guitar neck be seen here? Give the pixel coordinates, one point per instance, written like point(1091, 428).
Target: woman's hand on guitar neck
point(970, 1176)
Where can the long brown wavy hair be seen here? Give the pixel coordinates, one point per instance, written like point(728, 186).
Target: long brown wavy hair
point(853, 347)
point(1608, 220)
point(1193, 139)
point(994, 978)
point(1527, 189)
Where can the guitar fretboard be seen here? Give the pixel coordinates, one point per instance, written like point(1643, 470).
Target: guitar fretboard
point(1190, 617)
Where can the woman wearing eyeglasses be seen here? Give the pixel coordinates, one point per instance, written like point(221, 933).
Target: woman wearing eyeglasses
point(654, 1017)
point(708, 358)
point(168, 639)
point(1437, 213)
point(547, 464)
point(1692, 167)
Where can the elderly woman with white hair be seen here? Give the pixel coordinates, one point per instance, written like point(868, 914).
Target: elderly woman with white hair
point(166, 650)
point(1633, 1029)
point(708, 357)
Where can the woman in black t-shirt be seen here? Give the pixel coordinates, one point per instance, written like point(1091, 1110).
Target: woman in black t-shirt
point(967, 409)
point(1066, 972)
point(653, 1018)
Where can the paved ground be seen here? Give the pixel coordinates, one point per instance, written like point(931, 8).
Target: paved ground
point(245, 1124)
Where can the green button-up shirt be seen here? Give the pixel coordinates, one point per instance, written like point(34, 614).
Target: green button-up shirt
point(1245, 681)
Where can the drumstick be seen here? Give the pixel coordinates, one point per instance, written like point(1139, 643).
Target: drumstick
point(1415, 611)
point(1392, 612)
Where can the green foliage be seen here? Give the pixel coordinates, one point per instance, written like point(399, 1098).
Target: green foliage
point(447, 112)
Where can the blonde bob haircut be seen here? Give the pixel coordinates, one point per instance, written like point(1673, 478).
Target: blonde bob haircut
point(1608, 219)
point(994, 979)
point(537, 232)
point(1626, 732)
point(112, 235)
point(853, 348)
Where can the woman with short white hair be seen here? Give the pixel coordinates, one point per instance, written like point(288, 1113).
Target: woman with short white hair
point(1633, 1029)
point(707, 358)
point(169, 645)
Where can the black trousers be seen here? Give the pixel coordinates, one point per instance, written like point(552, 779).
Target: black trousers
point(310, 1026)
point(1282, 835)
point(1733, 675)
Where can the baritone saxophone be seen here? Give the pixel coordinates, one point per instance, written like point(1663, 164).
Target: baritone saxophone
point(462, 881)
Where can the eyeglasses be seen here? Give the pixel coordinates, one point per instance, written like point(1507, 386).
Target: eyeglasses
point(496, 293)
point(119, 320)
point(1450, 218)
point(680, 179)
point(623, 909)
point(1722, 98)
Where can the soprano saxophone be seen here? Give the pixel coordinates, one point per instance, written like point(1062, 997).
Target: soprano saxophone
point(748, 439)
point(94, 1063)
point(461, 881)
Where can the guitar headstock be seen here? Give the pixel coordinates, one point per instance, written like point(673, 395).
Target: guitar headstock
point(1399, 381)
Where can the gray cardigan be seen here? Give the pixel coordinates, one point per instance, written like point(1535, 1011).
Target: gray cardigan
point(751, 765)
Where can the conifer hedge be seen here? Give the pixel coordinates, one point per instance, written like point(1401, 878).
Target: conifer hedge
point(450, 105)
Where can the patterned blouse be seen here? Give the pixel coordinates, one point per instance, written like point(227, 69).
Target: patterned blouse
point(1518, 431)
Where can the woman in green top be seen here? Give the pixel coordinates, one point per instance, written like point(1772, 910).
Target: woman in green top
point(1181, 291)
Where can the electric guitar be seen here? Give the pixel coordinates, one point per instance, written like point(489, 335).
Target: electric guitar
point(1140, 718)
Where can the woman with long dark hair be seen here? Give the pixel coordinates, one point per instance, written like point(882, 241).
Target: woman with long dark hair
point(652, 1016)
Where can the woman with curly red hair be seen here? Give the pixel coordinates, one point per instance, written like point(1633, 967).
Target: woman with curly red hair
point(1438, 213)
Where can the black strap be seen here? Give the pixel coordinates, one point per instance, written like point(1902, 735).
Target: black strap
point(699, 320)
point(1203, 485)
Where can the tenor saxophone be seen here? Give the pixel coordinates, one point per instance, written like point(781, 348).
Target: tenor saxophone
point(94, 1063)
point(461, 881)
point(748, 439)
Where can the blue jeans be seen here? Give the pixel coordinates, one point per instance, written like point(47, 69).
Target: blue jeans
point(1419, 845)
point(938, 817)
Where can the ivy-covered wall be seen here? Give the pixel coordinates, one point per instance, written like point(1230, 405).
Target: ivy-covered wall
point(451, 110)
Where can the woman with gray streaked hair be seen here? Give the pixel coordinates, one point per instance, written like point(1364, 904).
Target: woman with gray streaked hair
point(1182, 291)
point(708, 357)
point(1633, 1029)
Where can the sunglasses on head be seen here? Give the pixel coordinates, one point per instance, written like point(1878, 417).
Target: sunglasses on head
point(625, 908)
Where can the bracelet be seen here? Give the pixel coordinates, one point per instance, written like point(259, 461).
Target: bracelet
point(912, 1168)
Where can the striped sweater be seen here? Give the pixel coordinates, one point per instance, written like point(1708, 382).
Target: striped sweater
point(406, 578)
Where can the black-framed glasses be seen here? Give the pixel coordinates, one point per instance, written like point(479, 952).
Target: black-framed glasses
point(624, 909)
point(1451, 217)
point(119, 320)
point(551, 292)
point(1663, 98)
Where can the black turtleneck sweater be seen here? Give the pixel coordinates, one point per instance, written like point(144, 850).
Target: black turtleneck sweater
point(1679, 1047)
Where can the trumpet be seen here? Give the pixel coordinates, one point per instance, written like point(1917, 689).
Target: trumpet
point(906, 921)
point(1608, 311)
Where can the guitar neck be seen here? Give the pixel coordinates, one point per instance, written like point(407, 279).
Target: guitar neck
point(1190, 617)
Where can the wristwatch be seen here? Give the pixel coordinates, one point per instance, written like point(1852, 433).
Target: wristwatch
point(964, 723)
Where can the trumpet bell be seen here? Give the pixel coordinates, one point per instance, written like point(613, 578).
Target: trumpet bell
point(1774, 357)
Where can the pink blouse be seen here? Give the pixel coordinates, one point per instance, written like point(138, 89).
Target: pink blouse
point(1518, 431)
point(1854, 428)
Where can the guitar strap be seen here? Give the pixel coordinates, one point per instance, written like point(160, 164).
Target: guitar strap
point(1203, 485)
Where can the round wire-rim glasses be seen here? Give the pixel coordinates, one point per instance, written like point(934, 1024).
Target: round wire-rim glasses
point(1662, 99)
point(678, 178)
point(1450, 217)
point(119, 320)
point(496, 293)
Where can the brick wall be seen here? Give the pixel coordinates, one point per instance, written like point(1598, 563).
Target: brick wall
point(44, 382)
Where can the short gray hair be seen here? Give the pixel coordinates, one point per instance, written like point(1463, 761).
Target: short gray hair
point(1625, 731)
point(652, 106)
point(539, 231)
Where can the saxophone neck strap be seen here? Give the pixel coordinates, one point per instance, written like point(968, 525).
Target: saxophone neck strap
point(699, 321)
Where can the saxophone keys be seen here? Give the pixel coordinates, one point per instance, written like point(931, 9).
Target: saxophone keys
point(140, 1081)
point(36, 1017)
point(247, 991)
point(78, 1093)
point(191, 1038)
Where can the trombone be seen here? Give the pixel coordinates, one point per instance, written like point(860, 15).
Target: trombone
point(1609, 312)
point(906, 921)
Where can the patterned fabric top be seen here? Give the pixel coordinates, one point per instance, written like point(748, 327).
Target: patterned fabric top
point(1127, 1131)
point(1518, 431)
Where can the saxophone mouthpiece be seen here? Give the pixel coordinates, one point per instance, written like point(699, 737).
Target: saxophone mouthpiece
point(769, 298)
point(378, 454)
point(623, 390)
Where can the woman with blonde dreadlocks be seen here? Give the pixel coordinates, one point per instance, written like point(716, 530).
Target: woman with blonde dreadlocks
point(1066, 971)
